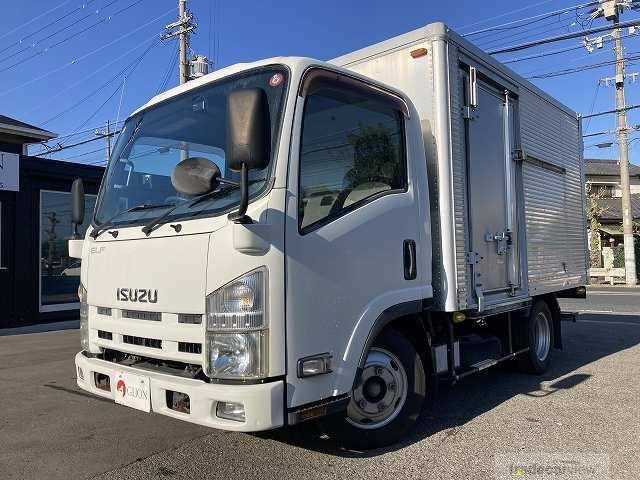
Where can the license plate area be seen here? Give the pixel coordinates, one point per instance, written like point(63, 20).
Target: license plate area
point(132, 390)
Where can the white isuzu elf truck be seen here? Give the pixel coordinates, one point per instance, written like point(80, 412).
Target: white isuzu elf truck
point(293, 239)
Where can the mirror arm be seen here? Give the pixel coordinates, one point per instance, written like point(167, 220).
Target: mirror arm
point(240, 216)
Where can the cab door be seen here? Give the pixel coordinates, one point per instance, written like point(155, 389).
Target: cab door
point(352, 235)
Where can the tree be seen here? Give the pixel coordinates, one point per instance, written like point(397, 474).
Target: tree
point(594, 212)
point(376, 156)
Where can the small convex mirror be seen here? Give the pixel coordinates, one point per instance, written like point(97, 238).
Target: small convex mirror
point(195, 176)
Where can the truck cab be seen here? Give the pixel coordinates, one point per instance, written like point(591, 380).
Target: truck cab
point(251, 302)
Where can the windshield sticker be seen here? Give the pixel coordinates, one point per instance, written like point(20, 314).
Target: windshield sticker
point(276, 79)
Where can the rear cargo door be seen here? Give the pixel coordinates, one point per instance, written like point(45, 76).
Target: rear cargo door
point(490, 122)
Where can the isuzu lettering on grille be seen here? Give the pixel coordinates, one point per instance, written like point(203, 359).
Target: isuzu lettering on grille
point(139, 295)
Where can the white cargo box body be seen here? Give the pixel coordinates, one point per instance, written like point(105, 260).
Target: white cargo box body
point(505, 170)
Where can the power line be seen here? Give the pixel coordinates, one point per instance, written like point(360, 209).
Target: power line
point(609, 112)
point(574, 60)
point(92, 129)
point(535, 18)
point(33, 45)
point(542, 54)
point(580, 68)
point(502, 15)
point(108, 82)
point(83, 57)
point(549, 53)
point(555, 26)
point(593, 104)
point(84, 79)
point(35, 19)
point(167, 73)
point(85, 153)
point(567, 36)
point(138, 60)
point(72, 36)
point(77, 144)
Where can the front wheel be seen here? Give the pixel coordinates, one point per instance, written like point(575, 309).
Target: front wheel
point(388, 398)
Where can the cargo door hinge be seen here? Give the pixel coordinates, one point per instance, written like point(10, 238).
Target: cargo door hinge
point(468, 112)
point(519, 155)
point(473, 258)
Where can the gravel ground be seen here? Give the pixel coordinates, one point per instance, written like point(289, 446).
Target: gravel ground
point(586, 404)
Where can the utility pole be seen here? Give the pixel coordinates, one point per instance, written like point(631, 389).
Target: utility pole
point(623, 149)
point(106, 134)
point(611, 10)
point(182, 10)
point(181, 28)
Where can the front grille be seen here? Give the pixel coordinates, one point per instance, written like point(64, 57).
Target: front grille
point(141, 341)
point(105, 335)
point(104, 311)
point(188, 347)
point(140, 315)
point(193, 318)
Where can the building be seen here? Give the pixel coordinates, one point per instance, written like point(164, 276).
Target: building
point(603, 183)
point(38, 281)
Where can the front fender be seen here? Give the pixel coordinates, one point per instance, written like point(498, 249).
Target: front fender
point(378, 314)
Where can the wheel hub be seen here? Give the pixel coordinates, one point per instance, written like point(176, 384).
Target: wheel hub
point(381, 392)
point(542, 332)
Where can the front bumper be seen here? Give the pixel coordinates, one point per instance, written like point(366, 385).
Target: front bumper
point(263, 402)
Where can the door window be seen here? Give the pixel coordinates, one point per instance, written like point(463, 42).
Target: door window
point(59, 274)
point(352, 151)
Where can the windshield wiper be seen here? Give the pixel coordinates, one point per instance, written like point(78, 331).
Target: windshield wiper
point(150, 227)
point(104, 226)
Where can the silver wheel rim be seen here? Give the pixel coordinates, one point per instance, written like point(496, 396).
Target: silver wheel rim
point(381, 392)
point(542, 333)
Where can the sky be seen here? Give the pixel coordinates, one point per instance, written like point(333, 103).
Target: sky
point(71, 65)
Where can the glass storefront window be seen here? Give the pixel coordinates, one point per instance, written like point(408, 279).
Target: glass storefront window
point(59, 274)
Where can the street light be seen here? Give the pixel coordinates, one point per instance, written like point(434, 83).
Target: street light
point(604, 144)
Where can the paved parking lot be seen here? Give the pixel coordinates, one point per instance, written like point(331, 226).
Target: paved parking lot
point(588, 403)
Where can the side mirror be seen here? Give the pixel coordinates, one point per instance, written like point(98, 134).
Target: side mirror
point(248, 140)
point(248, 129)
point(77, 205)
point(195, 176)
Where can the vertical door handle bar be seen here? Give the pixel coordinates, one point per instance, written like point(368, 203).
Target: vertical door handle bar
point(409, 255)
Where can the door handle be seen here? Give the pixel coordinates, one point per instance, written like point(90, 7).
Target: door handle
point(409, 256)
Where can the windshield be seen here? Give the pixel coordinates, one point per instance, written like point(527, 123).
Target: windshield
point(193, 124)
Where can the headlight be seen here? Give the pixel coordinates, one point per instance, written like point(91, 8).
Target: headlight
point(236, 340)
point(236, 355)
point(84, 318)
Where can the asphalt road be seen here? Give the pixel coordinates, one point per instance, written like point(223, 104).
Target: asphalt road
point(606, 300)
point(587, 403)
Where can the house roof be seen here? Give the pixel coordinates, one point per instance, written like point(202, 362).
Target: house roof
point(607, 167)
point(30, 133)
point(612, 208)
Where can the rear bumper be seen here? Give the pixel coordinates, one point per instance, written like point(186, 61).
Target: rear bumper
point(263, 403)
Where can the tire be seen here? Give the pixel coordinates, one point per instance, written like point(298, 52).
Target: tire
point(388, 399)
point(537, 334)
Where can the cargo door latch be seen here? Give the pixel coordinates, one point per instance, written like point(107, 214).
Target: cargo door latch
point(503, 241)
